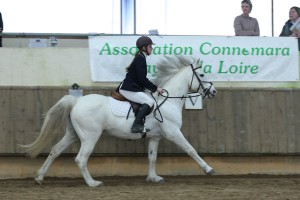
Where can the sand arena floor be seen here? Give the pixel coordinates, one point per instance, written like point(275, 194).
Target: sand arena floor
point(175, 188)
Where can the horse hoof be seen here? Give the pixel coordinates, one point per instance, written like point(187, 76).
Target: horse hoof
point(162, 181)
point(96, 184)
point(38, 181)
point(211, 172)
point(157, 179)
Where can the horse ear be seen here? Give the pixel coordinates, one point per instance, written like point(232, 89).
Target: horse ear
point(198, 63)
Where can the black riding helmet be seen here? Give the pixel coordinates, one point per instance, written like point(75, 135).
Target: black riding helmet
point(143, 41)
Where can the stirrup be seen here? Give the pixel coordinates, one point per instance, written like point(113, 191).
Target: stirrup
point(139, 130)
point(144, 133)
point(146, 130)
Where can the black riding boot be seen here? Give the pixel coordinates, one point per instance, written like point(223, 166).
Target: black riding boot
point(138, 124)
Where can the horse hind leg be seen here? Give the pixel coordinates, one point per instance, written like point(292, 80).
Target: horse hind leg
point(87, 147)
point(69, 138)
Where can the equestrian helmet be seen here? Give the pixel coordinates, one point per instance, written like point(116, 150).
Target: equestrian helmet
point(143, 41)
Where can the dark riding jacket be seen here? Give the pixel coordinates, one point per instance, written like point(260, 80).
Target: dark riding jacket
point(286, 29)
point(1, 29)
point(1, 22)
point(136, 78)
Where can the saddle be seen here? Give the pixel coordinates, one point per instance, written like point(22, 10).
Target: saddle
point(116, 95)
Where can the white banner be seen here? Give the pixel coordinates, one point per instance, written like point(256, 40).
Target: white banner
point(223, 58)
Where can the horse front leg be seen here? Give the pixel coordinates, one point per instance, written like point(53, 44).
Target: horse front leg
point(177, 137)
point(152, 157)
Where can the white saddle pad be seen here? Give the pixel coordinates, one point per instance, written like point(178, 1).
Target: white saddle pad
point(120, 108)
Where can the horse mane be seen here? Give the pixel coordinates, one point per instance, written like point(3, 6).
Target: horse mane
point(168, 65)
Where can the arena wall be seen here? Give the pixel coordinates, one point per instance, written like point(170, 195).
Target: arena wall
point(242, 131)
point(237, 121)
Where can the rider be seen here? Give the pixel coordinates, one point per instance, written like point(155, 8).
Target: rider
point(136, 81)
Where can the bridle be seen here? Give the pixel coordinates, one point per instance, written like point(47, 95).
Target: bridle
point(206, 91)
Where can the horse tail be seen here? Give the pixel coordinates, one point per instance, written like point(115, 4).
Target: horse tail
point(55, 118)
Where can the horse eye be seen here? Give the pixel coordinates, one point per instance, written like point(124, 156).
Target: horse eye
point(201, 75)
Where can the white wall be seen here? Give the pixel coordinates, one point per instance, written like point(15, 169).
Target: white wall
point(44, 67)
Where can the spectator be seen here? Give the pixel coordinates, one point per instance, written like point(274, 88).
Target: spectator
point(294, 14)
point(1, 29)
point(244, 25)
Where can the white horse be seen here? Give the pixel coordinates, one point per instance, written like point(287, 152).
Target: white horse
point(87, 117)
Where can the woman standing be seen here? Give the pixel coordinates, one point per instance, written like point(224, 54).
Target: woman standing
point(136, 81)
point(244, 25)
point(294, 14)
point(1, 29)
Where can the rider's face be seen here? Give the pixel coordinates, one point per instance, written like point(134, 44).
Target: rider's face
point(149, 49)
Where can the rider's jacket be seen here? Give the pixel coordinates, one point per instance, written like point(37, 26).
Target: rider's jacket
point(136, 78)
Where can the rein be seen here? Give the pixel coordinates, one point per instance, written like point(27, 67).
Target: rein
point(206, 92)
point(166, 98)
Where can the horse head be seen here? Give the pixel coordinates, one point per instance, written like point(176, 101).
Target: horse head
point(183, 74)
point(199, 82)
